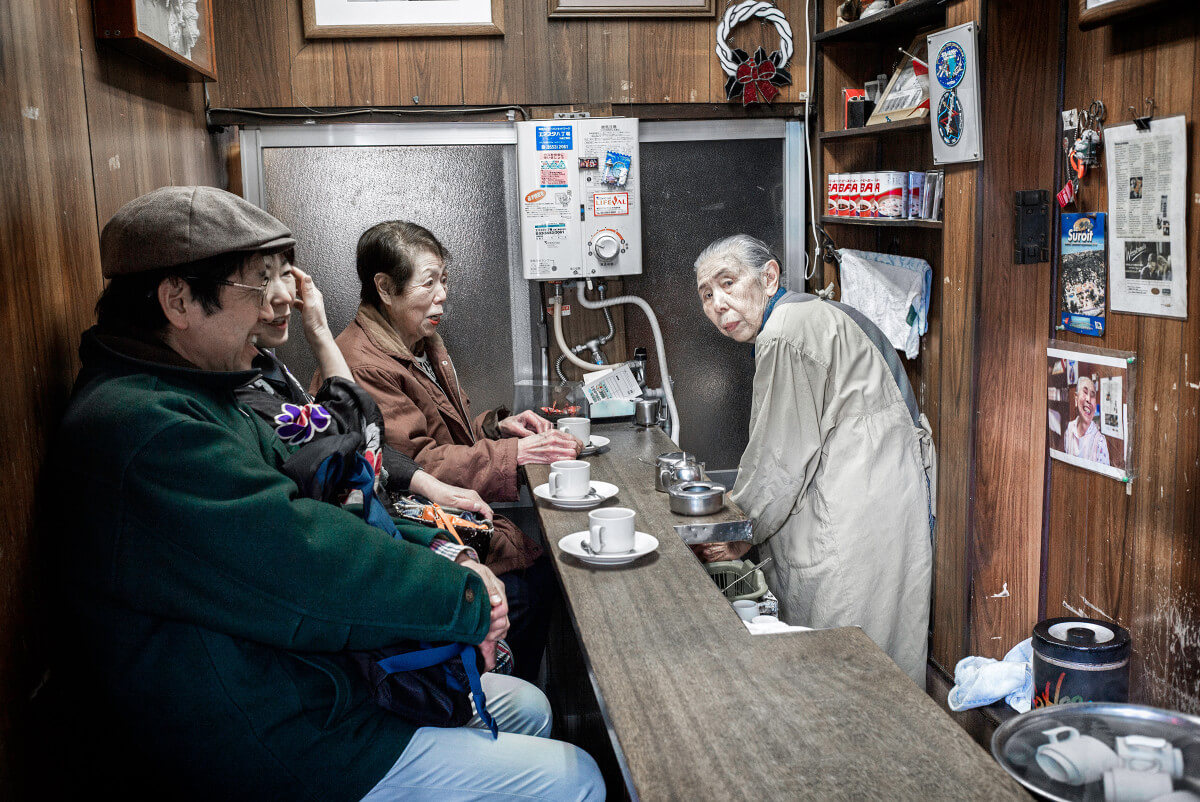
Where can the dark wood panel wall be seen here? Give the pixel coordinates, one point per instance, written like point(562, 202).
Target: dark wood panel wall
point(538, 61)
point(83, 132)
point(1135, 559)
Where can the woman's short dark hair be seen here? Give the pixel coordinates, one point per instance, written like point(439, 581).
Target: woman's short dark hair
point(130, 301)
point(391, 248)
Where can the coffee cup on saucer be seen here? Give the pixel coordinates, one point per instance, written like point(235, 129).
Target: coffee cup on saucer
point(580, 427)
point(611, 530)
point(570, 478)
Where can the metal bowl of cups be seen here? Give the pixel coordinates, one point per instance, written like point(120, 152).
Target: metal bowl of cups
point(1087, 751)
point(697, 497)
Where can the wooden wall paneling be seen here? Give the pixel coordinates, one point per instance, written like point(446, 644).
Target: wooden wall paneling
point(1134, 559)
point(432, 70)
point(1166, 669)
point(609, 79)
point(493, 67)
point(669, 61)
point(1179, 616)
point(1074, 492)
point(253, 56)
point(959, 313)
point(1006, 536)
point(49, 278)
point(147, 129)
point(556, 57)
point(309, 75)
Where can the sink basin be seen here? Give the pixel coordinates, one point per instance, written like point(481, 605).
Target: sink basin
point(726, 476)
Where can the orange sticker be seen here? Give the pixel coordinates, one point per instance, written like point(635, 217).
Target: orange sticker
point(535, 196)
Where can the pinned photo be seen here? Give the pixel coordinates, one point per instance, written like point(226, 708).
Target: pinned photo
point(1087, 416)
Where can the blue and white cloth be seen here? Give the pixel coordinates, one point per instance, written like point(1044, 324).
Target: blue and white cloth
point(892, 291)
point(979, 681)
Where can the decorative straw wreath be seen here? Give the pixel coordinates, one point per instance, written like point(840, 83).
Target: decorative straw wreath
point(754, 80)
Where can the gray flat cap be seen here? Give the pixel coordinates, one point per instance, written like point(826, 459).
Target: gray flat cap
point(176, 225)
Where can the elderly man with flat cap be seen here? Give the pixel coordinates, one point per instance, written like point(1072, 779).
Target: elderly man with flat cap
point(210, 603)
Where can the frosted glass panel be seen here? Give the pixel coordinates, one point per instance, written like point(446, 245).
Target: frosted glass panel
point(693, 193)
point(330, 195)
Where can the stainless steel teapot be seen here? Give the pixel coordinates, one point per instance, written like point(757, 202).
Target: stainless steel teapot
point(674, 467)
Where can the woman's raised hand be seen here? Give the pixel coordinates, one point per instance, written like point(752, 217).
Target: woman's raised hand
point(311, 304)
point(546, 447)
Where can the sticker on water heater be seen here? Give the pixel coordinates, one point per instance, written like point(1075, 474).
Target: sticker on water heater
point(550, 234)
point(553, 170)
point(608, 204)
point(553, 137)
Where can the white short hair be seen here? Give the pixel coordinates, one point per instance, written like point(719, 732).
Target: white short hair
point(741, 249)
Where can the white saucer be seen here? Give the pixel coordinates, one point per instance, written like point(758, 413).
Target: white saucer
point(601, 492)
point(643, 544)
point(594, 444)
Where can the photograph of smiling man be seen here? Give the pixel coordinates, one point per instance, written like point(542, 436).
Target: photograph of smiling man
point(1088, 402)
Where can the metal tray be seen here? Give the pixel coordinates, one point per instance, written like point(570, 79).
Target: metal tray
point(1015, 742)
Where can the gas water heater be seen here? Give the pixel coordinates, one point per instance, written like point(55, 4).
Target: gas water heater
point(580, 205)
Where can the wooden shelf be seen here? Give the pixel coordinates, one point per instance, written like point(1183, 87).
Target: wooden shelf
point(907, 16)
point(881, 222)
point(881, 129)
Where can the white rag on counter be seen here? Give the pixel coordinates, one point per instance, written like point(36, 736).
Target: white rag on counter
point(769, 625)
point(892, 291)
point(979, 681)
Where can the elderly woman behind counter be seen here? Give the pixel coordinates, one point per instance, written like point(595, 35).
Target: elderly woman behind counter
point(395, 354)
point(835, 476)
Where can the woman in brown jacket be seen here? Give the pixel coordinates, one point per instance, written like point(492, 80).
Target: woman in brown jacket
point(395, 354)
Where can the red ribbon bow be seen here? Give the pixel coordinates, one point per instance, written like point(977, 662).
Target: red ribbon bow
point(755, 78)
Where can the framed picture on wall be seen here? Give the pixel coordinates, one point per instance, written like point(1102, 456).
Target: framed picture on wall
point(174, 35)
point(1093, 13)
point(906, 95)
point(1089, 411)
point(339, 19)
point(633, 8)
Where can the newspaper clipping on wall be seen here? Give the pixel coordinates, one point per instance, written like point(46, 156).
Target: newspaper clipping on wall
point(1147, 186)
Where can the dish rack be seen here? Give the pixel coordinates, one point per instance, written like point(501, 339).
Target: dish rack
point(752, 586)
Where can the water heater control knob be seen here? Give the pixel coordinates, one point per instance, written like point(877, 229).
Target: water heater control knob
point(607, 246)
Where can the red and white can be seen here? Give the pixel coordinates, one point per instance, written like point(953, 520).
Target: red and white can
point(916, 184)
point(845, 201)
point(831, 193)
point(891, 194)
point(872, 194)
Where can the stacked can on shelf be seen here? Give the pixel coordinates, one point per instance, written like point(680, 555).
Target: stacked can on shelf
point(890, 194)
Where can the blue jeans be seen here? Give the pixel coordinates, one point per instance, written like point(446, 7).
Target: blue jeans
point(465, 763)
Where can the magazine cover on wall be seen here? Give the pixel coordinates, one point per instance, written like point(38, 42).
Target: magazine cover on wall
point(1090, 408)
point(1084, 273)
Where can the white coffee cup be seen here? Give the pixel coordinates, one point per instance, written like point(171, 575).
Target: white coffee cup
point(1131, 785)
point(747, 609)
point(580, 427)
point(1075, 759)
point(570, 478)
point(1144, 753)
point(610, 530)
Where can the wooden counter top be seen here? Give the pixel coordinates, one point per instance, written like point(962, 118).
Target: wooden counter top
point(697, 708)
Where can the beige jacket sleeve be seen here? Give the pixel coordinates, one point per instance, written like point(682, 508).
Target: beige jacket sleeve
point(786, 435)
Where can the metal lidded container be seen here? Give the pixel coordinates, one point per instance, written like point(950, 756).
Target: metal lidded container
point(1079, 660)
